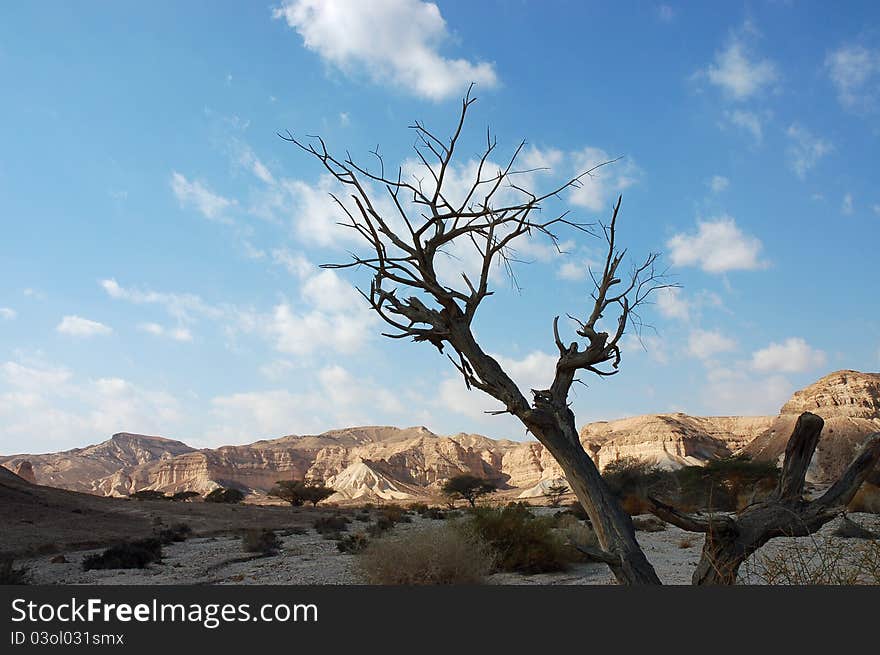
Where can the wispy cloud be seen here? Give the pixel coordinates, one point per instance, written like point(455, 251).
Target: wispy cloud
point(855, 72)
point(77, 326)
point(805, 149)
point(195, 194)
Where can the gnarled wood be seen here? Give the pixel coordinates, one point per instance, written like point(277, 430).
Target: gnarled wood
point(426, 224)
point(730, 540)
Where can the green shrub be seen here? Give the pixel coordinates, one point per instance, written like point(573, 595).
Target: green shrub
point(183, 496)
point(263, 541)
point(225, 495)
point(127, 555)
point(523, 543)
point(149, 494)
point(725, 484)
point(443, 554)
point(632, 480)
point(331, 524)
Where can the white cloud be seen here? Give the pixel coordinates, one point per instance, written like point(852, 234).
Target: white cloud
point(749, 121)
point(251, 162)
point(733, 392)
point(344, 119)
point(717, 247)
point(182, 306)
point(653, 345)
point(876, 209)
point(194, 193)
point(703, 344)
point(7, 313)
point(316, 216)
point(32, 378)
point(394, 41)
point(853, 70)
point(295, 262)
point(337, 399)
point(665, 13)
point(598, 190)
point(805, 149)
point(48, 408)
point(738, 74)
point(573, 269)
point(76, 326)
point(671, 303)
point(176, 333)
point(793, 355)
point(718, 183)
point(846, 206)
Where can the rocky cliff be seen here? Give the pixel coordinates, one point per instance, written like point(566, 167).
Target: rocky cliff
point(397, 463)
point(849, 401)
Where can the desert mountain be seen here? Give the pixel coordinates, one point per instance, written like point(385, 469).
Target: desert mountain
point(398, 463)
point(849, 401)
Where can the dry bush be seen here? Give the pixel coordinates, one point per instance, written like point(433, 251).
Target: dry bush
point(819, 561)
point(353, 543)
point(263, 541)
point(439, 554)
point(687, 541)
point(127, 555)
point(575, 532)
point(331, 526)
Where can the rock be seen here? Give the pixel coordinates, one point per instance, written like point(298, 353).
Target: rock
point(384, 462)
point(58, 559)
point(25, 470)
point(849, 401)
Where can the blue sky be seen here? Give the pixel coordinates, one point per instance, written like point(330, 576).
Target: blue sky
point(160, 244)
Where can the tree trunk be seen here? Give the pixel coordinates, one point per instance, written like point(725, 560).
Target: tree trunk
point(613, 527)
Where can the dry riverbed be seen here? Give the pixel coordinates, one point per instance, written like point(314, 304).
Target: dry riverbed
point(310, 559)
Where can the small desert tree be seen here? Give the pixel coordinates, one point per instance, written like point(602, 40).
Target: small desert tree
point(299, 492)
point(555, 492)
point(469, 487)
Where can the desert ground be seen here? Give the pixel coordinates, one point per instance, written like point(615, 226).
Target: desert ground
point(214, 555)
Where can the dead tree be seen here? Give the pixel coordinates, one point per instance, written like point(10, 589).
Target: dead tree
point(730, 540)
point(427, 222)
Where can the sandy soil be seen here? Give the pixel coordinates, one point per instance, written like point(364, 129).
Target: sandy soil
point(310, 559)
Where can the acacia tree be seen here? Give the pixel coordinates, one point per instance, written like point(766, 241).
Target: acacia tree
point(469, 487)
point(555, 492)
point(406, 247)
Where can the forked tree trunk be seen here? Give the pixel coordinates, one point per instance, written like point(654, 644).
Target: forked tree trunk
point(730, 540)
point(613, 527)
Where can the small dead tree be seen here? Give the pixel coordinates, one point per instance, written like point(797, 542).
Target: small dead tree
point(425, 224)
point(730, 540)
